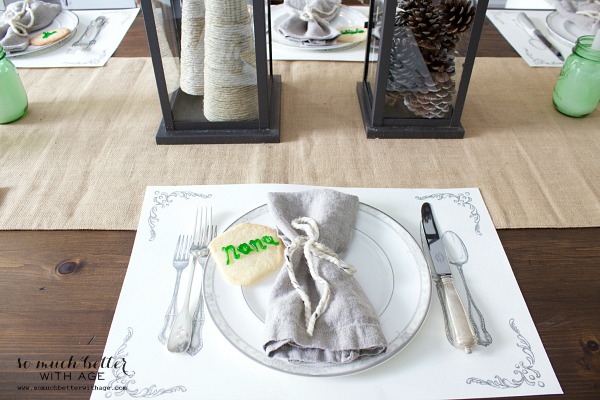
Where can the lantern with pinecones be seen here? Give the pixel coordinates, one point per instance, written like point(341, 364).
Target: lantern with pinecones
point(436, 29)
point(414, 85)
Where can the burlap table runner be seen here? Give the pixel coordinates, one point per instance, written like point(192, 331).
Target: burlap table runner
point(84, 154)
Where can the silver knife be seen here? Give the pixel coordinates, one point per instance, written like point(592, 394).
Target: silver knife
point(535, 33)
point(461, 330)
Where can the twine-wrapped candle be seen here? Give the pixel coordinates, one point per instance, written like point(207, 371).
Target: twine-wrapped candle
point(192, 47)
point(230, 91)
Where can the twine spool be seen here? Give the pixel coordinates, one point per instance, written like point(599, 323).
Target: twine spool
point(230, 92)
point(192, 47)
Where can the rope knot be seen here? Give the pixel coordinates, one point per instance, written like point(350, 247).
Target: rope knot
point(14, 19)
point(312, 248)
point(307, 14)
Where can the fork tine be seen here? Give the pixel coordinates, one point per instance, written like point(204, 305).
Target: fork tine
point(177, 248)
point(196, 229)
point(207, 226)
point(182, 248)
point(203, 226)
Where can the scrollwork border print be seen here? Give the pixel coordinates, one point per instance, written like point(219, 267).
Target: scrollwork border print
point(461, 199)
point(523, 369)
point(163, 200)
point(123, 383)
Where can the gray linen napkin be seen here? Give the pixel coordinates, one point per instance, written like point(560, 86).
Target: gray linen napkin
point(308, 21)
point(334, 322)
point(22, 18)
point(583, 13)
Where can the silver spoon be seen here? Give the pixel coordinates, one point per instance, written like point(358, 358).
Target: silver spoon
point(458, 256)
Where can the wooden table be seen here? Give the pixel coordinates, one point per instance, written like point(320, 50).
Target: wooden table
point(59, 289)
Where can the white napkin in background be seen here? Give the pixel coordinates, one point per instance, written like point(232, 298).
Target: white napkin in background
point(308, 22)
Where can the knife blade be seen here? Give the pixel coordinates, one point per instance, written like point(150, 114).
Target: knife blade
point(535, 33)
point(463, 336)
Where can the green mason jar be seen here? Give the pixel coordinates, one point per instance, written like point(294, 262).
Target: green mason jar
point(13, 99)
point(577, 90)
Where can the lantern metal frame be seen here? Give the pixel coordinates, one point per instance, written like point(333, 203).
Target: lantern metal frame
point(174, 129)
point(372, 99)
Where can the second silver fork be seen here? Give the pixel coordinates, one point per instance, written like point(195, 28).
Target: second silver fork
point(181, 334)
point(198, 319)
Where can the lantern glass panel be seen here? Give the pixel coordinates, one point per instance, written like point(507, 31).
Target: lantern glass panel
point(375, 16)
point(429, 44)
point(209, 59)
point(165, 19)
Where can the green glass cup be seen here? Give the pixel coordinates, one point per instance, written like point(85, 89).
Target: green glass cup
point(13, 99)
point(577, 90)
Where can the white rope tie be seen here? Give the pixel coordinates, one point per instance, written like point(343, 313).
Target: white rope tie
point(591, 13)
point(14, 19)
point(312, 248)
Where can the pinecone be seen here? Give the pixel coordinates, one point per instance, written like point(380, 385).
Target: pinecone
point(456, 16)
point(392, 99)
point(422, 18)
point(436, 100)
point(439, 60)
point(407, 71)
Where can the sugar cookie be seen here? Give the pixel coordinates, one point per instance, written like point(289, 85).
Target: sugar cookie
point(247, 252)
point(352, 34)
point(49, 37)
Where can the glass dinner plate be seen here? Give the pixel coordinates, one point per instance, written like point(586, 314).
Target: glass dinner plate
point(564, 29)
point(347, 17)
point(391, 269)
point(66, 19)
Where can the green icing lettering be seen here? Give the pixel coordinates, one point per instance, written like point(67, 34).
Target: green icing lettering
point(46, 35)
point(244, 248)
point(351, 32)
point(257, 243)
point(233, 251)
point(270, 240)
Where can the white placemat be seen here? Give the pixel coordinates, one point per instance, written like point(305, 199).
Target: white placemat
point(109, 38)
point(514, 364)
point(533, 51)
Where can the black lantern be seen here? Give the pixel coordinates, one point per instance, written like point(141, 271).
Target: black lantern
point(418, 63)
point(213, 70)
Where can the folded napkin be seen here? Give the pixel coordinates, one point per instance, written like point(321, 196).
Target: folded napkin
point(317, 311)
point(23, 17)
point(583, 13)
point(308, 21)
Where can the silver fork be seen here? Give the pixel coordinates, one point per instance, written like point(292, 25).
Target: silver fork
point(181, 334)
point(98, 25)
point(201, 254)
point(91, 33)
point(181, 259)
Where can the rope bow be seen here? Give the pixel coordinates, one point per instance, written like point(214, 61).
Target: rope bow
point(591, 13)
point(310, 13)
point(14, 19)
point(311, 249)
